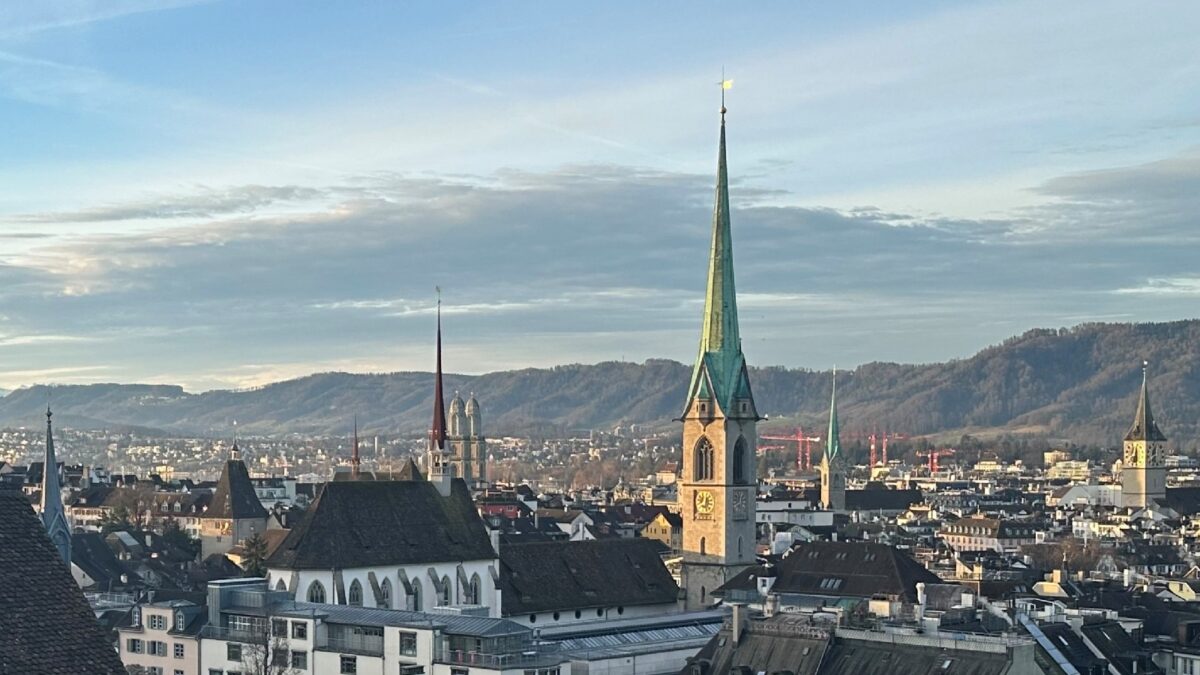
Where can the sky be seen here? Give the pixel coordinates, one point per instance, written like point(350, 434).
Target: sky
point(224, 194)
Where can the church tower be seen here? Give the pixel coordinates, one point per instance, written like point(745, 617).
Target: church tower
point(718, 486)
point(467, 447)
point(1144, 470)
point(833, 464)
point(438, 464)
point(53, 516)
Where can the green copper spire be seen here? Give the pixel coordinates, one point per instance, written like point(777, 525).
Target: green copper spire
point(719, 372)
point(833, 444)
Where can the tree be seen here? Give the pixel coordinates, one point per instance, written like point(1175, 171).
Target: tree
point(176, 536)
point(254, 560)
point(265, 650)
point(117, 519)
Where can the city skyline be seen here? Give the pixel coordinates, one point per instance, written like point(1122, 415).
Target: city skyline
point(908, 184)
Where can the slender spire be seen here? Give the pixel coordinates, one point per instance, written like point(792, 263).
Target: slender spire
point(720, 350)
point(1144, 428)
point(437, 432)
point(53, 516)
point(833, 444)
point(354, 461)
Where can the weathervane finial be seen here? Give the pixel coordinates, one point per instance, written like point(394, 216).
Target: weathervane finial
point(724, 84)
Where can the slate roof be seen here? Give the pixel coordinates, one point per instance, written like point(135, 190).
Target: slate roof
point(47, 626)
point(568, 575)
point(840, 569)
point(375, 523)
point(234, 497)
point(1119, 648)
point(1067, 642)
point(91, 554)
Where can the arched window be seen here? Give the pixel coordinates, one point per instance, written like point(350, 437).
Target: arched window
point(385, 594)
point(702, 460)
point(703, 594)
point(703, 543)
point(316, 592)
point(280, 585)
point(473, 596)
point(740, 465)
point(416, 595)
point(739, 547)
point(355, 597)
point(445, 599)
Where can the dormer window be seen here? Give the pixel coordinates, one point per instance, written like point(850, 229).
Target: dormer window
point(179, 623)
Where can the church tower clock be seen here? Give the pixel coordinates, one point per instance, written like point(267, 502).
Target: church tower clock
point(1144, 464)
point(718, 487)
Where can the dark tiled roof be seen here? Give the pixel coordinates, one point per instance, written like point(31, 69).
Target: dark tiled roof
point(567, 575)
point(841, 569)
point(1062, 637)
point(1119, 648)
point(234, 496)
point(90, 554)
point(46, 624)
point(374, 523)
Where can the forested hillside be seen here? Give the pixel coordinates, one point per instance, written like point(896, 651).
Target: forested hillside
point(1077, 384)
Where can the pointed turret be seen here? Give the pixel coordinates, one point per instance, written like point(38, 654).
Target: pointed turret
point(833, 476)
point(720, 369)
point(1144, 428)
point(53, 515)
point(833, 443)
point(437, 430)
point(439, 467)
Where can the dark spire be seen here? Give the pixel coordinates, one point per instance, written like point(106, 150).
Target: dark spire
point(53, 516)
point(354, 461)
point(1144, 427)
point(437, 432)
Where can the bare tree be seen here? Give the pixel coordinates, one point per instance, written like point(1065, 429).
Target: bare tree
point(267, 650)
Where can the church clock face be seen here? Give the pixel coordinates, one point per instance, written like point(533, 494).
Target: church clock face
point(741, 506)
point(705, 503)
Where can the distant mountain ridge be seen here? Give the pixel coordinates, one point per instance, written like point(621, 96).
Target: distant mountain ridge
point(1078, 384)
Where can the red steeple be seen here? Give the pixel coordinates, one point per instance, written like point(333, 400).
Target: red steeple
point(437, 432)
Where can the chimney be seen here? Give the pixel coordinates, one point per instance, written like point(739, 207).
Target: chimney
point(920, 601)
point(736, 624)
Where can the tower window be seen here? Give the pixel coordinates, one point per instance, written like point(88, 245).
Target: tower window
point(703, 546)
point(702, 460)
point(739, 461)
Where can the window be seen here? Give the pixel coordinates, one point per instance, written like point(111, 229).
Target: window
point(702, 460)
point(473, 594)
point(409, 669)
point(445, 591)
point(280, 585)
point(739, 461)
point(355, 597)
point(134, 646)
point(178, 650)
point(300, 660)
point(542, 671)
point(154, 670)
point(316, 592)
point(299, 630)
point(459, 671)
point(385, 594)
point(349, 665)
point(279, 627)
point(279, 657)
point(233, 652)
point(178, 672)
point(408, 644)
point(215, 671)
point(156, 622)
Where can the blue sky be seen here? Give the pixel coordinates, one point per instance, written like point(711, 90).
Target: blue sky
point(222, 194)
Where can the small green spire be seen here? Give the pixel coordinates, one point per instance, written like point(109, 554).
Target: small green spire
point(833, 445)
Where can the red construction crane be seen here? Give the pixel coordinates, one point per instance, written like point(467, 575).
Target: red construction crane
point(803, 447)
point(934, 456)
point(886, 436)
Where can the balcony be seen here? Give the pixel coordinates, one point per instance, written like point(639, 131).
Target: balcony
point(366, 645)
point(540, 656)
point(250, 637)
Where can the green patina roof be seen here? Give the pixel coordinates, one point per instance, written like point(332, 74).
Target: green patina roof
point(720, 370)
point(833, 444)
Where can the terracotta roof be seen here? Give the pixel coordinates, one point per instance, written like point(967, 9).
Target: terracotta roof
point(568, 575)
point(374, 523)
point(47, 625)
